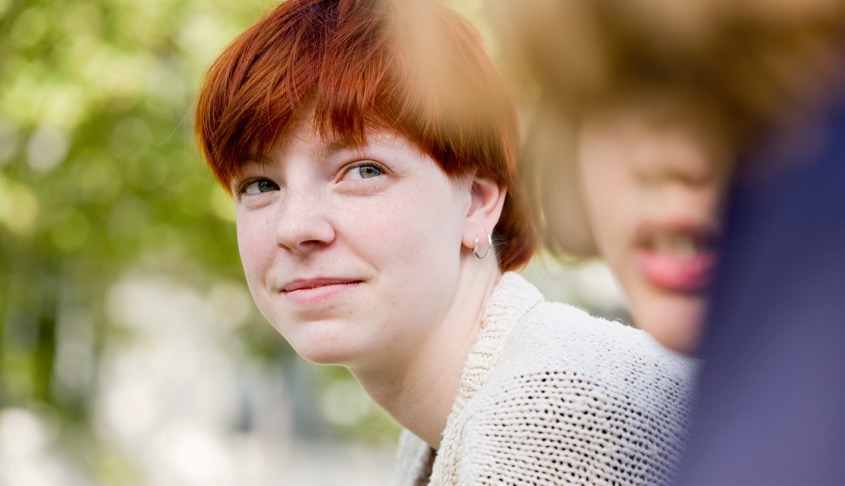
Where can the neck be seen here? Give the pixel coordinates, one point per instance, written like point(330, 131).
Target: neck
point(419, 389)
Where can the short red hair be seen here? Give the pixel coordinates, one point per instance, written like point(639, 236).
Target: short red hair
point(415, 68)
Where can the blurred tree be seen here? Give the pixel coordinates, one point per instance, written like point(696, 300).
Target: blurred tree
point(98, 171)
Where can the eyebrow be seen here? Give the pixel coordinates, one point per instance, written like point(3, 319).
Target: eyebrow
point(253, 158)
point(334, 146)
point(328, 149)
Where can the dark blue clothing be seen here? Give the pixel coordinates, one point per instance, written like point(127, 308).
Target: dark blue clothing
point(771, 400)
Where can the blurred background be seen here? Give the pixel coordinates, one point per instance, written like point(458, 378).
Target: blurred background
point(130, 350)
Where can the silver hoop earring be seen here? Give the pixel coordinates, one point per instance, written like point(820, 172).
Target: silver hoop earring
point(487, 251)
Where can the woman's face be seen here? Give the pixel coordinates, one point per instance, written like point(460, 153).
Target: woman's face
point(652, 194)
point(351, 253)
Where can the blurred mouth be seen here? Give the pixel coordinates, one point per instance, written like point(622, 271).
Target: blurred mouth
point(678, 260)
point(317, 290)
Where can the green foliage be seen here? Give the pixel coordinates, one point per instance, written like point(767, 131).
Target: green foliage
point(99, 175)
point(99, 170)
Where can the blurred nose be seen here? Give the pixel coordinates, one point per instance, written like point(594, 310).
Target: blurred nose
point(672, 158)
point(302, 223)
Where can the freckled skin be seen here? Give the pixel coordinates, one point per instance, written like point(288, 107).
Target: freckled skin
point(385, 217)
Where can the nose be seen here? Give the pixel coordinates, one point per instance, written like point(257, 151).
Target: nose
point(303, 222)
point(674, 157)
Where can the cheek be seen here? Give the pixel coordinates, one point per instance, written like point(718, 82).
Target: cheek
point(715, 199)
point(609, 207)
point(255, 243)
point(611, 236)
point(411, 238)
point(414, 222)
point(419, 254)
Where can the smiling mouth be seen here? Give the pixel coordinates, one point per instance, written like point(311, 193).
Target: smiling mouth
point(316, 283)
point(317, 291)
point(679, 261)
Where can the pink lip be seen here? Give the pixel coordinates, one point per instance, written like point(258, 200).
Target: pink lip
point(689, 270)
point(688, 274)
point(316, 290)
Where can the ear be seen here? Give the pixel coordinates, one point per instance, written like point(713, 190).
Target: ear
point(486, 201)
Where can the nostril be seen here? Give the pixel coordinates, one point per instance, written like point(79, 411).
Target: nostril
point(314, 243)
point(304, 234)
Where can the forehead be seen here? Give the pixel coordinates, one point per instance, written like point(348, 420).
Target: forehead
point(324, 141)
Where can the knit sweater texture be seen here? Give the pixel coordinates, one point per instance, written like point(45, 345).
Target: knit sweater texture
point(552, 395)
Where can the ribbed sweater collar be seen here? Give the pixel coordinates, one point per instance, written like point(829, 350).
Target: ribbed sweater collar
point(511, 299)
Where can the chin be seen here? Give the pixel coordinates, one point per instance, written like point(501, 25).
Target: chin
point(323, 345)
point(325, 355)
point(674, 323)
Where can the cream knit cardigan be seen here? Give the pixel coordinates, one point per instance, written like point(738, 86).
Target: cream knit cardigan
point(551, 395)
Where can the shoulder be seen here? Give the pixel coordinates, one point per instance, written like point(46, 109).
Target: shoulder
point(554, 335)
point(572, 355)
point(548, 338)
point(582, 400)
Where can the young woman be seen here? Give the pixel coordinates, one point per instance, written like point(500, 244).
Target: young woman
point(369, 146)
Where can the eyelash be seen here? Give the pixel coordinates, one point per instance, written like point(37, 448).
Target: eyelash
point(243, 186)
point(367, 163)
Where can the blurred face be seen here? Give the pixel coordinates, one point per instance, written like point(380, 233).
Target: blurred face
point(652, 195)
point(351, 253)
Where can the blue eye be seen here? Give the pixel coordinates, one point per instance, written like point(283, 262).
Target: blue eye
point(364, 171)
point(259, 186)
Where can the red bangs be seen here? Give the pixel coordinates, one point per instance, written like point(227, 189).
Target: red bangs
point(355, 66)
point(361, 65)
point(269, 75)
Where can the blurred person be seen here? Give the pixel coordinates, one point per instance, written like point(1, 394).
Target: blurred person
point(629, 154)
point(643, 111)
point(639, 180)
point(769, 76)
point(369, 146)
